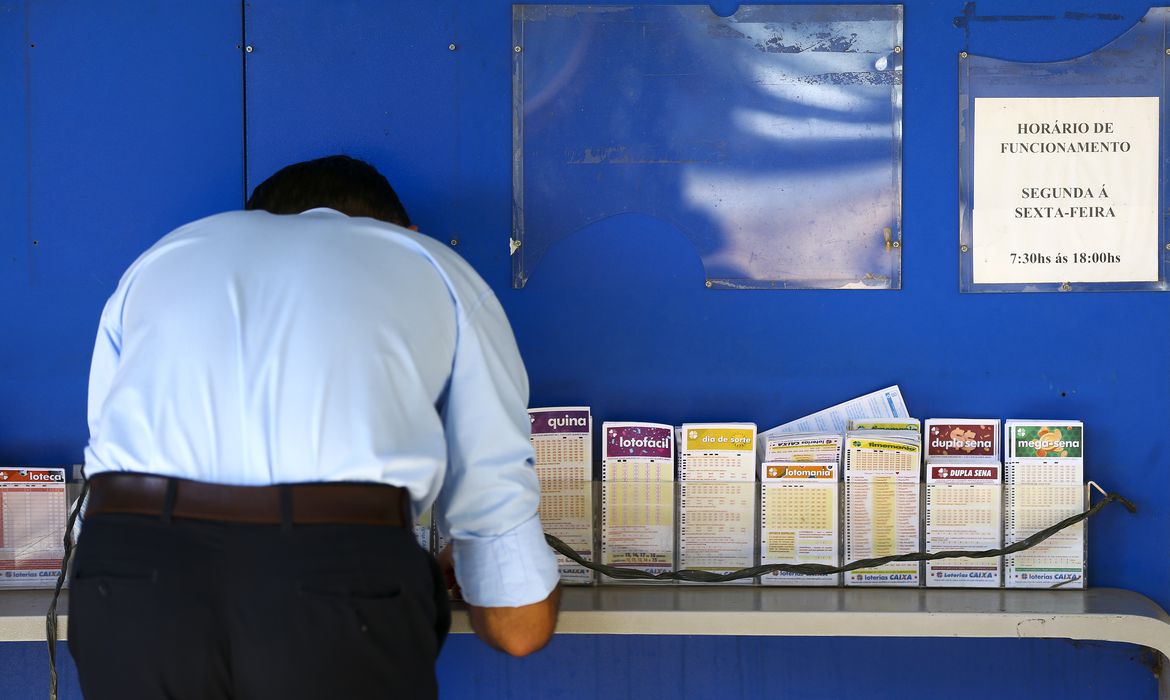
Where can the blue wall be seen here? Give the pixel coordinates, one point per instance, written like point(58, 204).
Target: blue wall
point(121, 120)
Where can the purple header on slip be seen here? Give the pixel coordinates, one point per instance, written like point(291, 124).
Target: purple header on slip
point(639, 441)
point(544, 422)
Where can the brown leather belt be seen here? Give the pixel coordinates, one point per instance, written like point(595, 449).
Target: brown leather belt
point(339, 503)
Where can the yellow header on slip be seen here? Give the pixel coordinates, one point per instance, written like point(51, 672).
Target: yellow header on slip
point(720, 439)
point(792, 471)
point(883, 445)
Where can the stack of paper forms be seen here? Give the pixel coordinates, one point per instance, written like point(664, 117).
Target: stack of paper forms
point(799, 521)
point(881, 503)
point(964, 494)
point(1044, 484)
point(32, 526)
point(562, 440)
point(717, 497)
point(637, 495)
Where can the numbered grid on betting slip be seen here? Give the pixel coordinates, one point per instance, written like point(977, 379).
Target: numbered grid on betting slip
point(32, 525)
point(558, 449)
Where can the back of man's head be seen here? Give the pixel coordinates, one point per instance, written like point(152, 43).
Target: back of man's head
point(350, 186)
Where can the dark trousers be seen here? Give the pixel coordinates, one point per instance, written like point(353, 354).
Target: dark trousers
point(198, 609)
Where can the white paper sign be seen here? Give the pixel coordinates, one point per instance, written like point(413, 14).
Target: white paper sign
point(1065, 190)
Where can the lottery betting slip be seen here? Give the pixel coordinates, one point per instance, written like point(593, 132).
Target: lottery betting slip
point(1044, 484)
point(799, 521)
point(962, 438)
point(963, 512)
point(423, 531)
point(717, 497)
point(637, 526)
point(637, 452)
point(637, 497)
point(566, 512)
point(881, 504)
point(882, 404)
point(562, 440)
point(32, 526)
point(717, 526)
point(802, 447)
point(885, 424)
point(717, 452)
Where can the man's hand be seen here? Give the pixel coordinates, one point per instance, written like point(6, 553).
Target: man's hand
point(446, 561)
point(517, 631)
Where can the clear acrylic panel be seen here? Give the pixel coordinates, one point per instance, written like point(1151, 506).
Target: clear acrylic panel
point(568, 511)
point(770, 138)
point(638, 527)
point(1066, 190)
point(720, 526)
point(718, 523)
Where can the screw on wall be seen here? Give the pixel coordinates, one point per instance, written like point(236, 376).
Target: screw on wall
point(451, 46)
point(248, 48)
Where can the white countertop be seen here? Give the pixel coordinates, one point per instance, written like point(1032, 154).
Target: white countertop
point(1108, 614)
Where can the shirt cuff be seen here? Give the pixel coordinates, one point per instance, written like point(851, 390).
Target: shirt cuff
point(509, 570)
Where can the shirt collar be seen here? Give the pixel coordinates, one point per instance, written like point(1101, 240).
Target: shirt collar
point(323, 210)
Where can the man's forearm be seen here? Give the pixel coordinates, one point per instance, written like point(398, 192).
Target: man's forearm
point(517, 631)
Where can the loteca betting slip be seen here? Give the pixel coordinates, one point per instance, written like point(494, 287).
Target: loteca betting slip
point(33, 509)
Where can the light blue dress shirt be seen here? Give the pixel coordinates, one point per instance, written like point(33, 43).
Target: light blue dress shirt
point(249, 348)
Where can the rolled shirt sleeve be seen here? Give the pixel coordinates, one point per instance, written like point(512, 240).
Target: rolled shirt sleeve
point(508, 570)
point(491, 494)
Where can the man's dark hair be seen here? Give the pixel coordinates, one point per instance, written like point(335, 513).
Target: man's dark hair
point(350, 186)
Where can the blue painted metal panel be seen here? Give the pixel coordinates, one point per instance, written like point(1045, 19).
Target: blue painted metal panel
point(125, 122)
point(738, 668)
point(379, 81)
point(750, 668)
point(24, 672)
